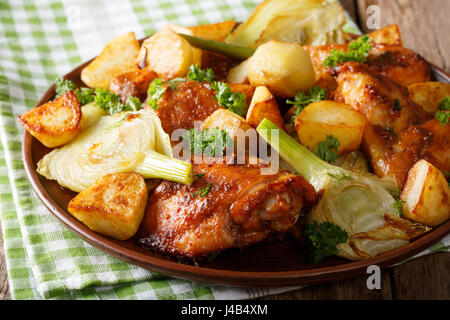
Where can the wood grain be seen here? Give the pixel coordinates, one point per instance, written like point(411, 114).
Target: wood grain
point(423, 24)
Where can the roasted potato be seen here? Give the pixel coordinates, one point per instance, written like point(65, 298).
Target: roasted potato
point(389, 35)
point(118, 57)
point(426, 195)
point(284, 68)
point(114, 205)
point(56, 122)
point(323, 118)
point(236, 127)
point(216, 31)
point(238, 74)
point(168, 54)
point(264, 105)
point(429, 94)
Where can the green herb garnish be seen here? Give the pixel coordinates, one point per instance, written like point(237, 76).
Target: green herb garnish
point(302, 99)
point(397, 106)
point(322, 239)
point(443, 115)
point(110, 102)
point(202, 191)
point(390, 130)
point(233, 101)
point(398, 205)
point(327, 150)
point(155, 92)
point(209, 142)
point(358, 50)
point(62, 86)
point(200, 75)
point(200, 175)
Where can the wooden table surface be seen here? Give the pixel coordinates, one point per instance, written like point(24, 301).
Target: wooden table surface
point(424, 26)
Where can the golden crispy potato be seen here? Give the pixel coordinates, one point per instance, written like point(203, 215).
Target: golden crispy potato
point(196, 52)
point(389, 35)
point(429, 94)
point(284, 68)
point(323, 118)
point(236, 127)
point(238, 74)
point(264, 105)
point(56, 122)
point(215, 31)
point(426, 195)
point(114, 205)
point(168, 54)
point(118, 57)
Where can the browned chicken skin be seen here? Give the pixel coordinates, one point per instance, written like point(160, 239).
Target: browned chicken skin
point(395, 155)
point(381, 100)
point(399, 132)
point(191, 101)
point(242, 207)
point(134, 83)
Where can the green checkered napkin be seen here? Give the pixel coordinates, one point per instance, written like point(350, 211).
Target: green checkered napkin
point(40, 40)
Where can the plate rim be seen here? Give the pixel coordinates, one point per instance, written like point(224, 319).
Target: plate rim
point(214, 275)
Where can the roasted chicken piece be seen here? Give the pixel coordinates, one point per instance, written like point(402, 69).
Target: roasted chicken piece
point(230, 206)
point(133, 83)
point(381, 100)
point(191, 101)
point(399, 64)
point(395, 155)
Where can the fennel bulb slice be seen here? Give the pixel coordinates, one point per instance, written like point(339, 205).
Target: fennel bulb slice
point(117, 143)
point(360, 203)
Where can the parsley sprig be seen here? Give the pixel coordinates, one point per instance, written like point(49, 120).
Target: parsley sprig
point(327, 150)
point(108, 101)
point(233, 101)
point(202, 192)
point(200, 75)
point(209, 141)
point(154, 93)
point(443, 115)
point(322, 239)
point(303, 99)
point(358, 50)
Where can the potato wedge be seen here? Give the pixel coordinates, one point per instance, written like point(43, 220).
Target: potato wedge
point(284, 68)
point(323, 118)
point(56, 122)
point(429, 94)
point(426, 195)
point(215, 31)
point(114, 205)
point(238, 74)
point(196, 52)
point(168, 54)
point(264, 105)
point(389, 35)
point(118, 57)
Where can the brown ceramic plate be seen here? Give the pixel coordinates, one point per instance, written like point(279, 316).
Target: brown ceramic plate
point(278, 263)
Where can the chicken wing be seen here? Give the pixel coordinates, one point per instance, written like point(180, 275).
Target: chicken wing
point(230, 206)
point(395, 155)
point(381, 100)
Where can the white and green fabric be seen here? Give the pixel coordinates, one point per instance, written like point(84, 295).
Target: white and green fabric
point(40, 40)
